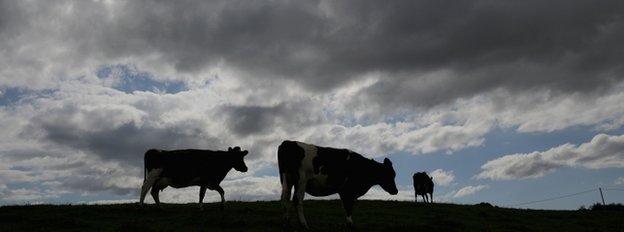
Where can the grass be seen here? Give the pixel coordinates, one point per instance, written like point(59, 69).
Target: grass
point(322, 216)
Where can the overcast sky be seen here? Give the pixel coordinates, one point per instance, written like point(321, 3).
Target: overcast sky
point(500, 101)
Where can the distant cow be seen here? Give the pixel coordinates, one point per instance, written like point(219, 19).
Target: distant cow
point(323, 171)
point(423, 185)
point(184, 168)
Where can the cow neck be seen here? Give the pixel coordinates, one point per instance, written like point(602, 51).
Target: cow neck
point(366, 170)
point(222, 170)
point(230, 159)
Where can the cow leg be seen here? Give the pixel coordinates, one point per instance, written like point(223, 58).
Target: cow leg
point(423, 197)
point(150, 180)
point(222, 193)
point(348, 202)
point(431, 194)
point(415, 196)
point(154, 193)
point(299, 194)
point(202, 193)
point(285, 198)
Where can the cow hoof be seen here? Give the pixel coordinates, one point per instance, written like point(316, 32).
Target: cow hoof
point(305, 228)
point(285, 227)
point(349, 227)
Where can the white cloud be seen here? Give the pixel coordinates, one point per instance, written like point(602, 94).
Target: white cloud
point(110, 202)
point(546, 112)
point(442, 178)
point(377, 193)
point(88, 137)
point(87, 123)
point(27, 195)
point(469, 190)
point(603, 151)
point(619, 181)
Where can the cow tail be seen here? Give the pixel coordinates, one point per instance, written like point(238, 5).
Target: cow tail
point(146, 162)
point(145, 166)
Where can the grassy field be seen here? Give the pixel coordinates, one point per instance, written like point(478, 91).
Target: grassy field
point(322, 216)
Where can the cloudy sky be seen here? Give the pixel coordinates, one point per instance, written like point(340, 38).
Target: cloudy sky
point(500, 101)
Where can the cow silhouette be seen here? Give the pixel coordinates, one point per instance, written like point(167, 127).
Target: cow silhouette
point(190, 167)
point(423, 185)
point(323, 171)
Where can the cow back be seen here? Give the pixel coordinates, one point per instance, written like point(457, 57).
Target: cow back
point(422, 183)
point(186, 165)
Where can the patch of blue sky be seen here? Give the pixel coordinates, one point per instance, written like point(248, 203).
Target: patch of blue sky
point(13, 95)
point(267, 171)
point(131, 80)
point(563, 181)
point(467, 163)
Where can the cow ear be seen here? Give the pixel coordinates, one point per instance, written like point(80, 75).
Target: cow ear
point(245, 152)
point(387, 162)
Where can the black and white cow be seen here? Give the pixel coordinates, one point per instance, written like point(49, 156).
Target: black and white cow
point(323, 171)
point(423, 185)
point(191, 167)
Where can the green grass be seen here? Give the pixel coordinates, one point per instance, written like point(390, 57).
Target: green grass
point(322, 216)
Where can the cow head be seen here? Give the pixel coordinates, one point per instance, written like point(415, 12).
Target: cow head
point(239, 158)
point(387, 178)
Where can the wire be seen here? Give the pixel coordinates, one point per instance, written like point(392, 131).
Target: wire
point(556, 198)
point(614, 189)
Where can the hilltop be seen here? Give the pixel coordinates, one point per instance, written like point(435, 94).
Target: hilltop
point(322, 216)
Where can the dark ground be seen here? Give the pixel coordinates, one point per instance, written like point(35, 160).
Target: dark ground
point(322, 216)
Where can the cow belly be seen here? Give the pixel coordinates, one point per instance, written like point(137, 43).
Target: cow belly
point(177, 183)
point(318, 186)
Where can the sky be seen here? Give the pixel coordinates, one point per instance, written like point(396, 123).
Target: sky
point(500, 101)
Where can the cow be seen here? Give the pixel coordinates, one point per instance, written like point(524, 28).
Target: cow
point(423, 185)
point(323, 171)
point(190, 167)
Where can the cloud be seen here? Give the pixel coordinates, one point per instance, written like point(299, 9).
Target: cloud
point(469, 190)
point(248, 120)
point(96, 83)
point(27, 195)
point(89, 123)
point(448, 51)
point(442, 178)
point(406, 193)
point(603, 151)
point(619, 181)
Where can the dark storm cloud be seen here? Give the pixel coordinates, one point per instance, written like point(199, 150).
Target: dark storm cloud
point(246, 120)
point(566, 46)
point(126, 142)
point(251, 120)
